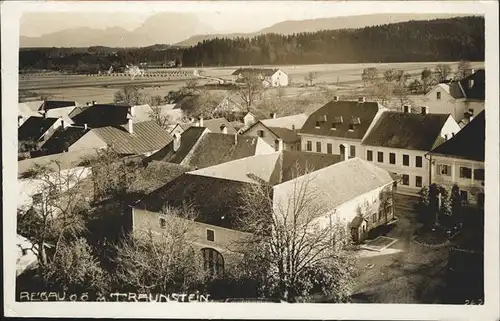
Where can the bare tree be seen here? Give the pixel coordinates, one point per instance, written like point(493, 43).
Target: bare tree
point(389, 75)
point(310, 77)
point(294, 244)
point(442, 72)
point(369, 75)
point(250, 90)
point(164, 262)
point(156, 115)
point(426, 80)
point(156, 100)
point(462, 68)
point(131, 95)
point(58, 210)
point(382, 92)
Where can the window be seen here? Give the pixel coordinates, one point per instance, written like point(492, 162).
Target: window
point(392, 158)
point(464, 196)
point(298, 147)
point(369, 155)
point(329, 148)
point(317, 124)
point(418, 181)
point(374, 217)
point(380, 215)
point(479, 174)
point(465, 172)
point(260, 133)
point(438, 95)
point(351, 127)
point(444, 169)
point(380, 157)
point(309, 146)
point(405, 180)
point(418, 161)
point(352, 151)
point(276, 145)
point(213, 262)
point(210, 235)
point(318, 147)
point(334, 126)
point(406, 160)
point(163, 223)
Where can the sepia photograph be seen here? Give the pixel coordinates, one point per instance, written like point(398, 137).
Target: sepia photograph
point(336, 158)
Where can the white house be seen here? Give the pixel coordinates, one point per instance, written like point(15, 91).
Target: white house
point(399, 142)
point(460, 161)
point(338, 124)
point(458, 98)
point(269, 77)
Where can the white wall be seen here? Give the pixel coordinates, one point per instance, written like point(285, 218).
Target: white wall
point(88, 141)
point(279, 79)
point(335, 141)
point(263, 148)
point(269, 137)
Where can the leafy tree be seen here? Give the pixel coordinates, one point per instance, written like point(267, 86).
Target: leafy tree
point(369, 75)
point(415, 87)
point(299, 257)
point(442, 72)
point(423, 204)
point(462, 68)
point(389, 75)
point(131, 95)
point(456, 201)
point(427, 80)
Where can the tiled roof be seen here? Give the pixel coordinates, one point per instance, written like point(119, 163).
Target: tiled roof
point(346, 111)
point(273, 168)
point(468, 143)
point(218, 201)
point(146, 137)
point(188, 139)
point(216, 148)
point(62, 139)
point(257, 71)
point(53, 104)
point(290, 122)
point(215, 125)
point(66, 160)
point(406, 130)
point(101, 115)
point(477, 91)
point(34, 128)
point(155, 175)
point(287, 135)
point(337, 184)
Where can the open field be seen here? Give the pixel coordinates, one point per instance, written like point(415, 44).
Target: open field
point(84, 88)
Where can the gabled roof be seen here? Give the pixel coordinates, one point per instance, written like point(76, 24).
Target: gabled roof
point(66, 160)
point(34, 128)
point(468, 143)
point(477, 91)
point(273, 168)
point(287, 135)
point(63, 138)
point(337, 184)
point(256, 71)
point(406, 130)
point(147, 137)
point(54, 104)
point(215, 125)
point(218, 201)
point(28, 107)
point(290, 122)
point(342, 113)
point(101, 115)
point(188, 139)
point(216, 148)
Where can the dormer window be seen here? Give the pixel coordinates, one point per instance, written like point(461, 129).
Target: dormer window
point(351, 127)
point(317, 124)
point(336, 121)
point(334, 126)
point(260, 133)
point(471, 83)
point(438, 95)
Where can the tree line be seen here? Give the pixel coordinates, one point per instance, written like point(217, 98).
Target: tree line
point(435, 40)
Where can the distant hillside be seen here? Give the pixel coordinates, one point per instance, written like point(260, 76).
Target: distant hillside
point(314, 25)
point(413, 41)
point(162, 28)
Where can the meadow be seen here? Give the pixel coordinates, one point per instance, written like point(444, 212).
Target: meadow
point(82, 88)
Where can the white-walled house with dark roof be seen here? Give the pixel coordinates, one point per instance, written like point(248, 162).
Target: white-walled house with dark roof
point(400, 141)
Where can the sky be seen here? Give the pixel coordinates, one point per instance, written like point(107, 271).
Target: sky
point(37, 24)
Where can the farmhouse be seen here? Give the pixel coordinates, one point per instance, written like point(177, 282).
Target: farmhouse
point(269, 77)
point(462, 99)
point(460, 160)
point(280, 138)
point(399, 142)
point(339, 127)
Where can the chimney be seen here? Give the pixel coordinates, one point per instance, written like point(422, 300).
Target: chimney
point(280, 145)
point(130, 125)
point(201, 121)
point(44, 113)
point(336, 98)
point(273, 115)
point(63, 125)
point(85, 126)
point(467, 116)
point(293, 127)
point(361, 99)
point(89, 103)
point(406, 108)
point(93, 102)
point(19, 120)
point(424, 110)
point(235, 139)
point(177, 141)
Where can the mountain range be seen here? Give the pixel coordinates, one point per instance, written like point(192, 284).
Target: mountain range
point(185, 29)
